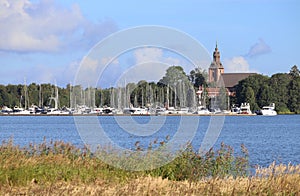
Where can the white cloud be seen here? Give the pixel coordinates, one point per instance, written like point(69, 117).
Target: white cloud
point(259, 48)
point(107, 60)
point(67, 75)
point(172, 61)
point(236, 65)
point(156, 55)
point(149, 71)
point(45, 26)
point(151, 64)
point(143, 55)
point(89, 64)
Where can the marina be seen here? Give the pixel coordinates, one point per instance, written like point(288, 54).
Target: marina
point(126, 112)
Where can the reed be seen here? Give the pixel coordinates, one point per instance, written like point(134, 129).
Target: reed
point(58, 168)
point(189, 165)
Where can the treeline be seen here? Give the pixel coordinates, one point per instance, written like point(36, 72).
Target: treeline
point(33, 94)
point(176, 89)
point(175, 83)
point(283, 89)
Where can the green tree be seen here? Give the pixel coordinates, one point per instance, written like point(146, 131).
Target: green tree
point(198, 77)
point(294, 95)
point(247, 95)
point(222, 99)
point(295, 71)
point(265, 96)
point(4, 97)
point(173, 75)
point(279, 83)
point(249, 87)
point(64, 96)
point(179, 84)
point(33, 94)
point(13, 95)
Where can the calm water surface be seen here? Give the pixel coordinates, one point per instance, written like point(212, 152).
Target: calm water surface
point(267, 138)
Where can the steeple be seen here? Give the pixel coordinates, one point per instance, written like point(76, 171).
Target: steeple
point(216, 56)
point(216, 68)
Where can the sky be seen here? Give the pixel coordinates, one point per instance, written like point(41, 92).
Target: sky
point(45, 41)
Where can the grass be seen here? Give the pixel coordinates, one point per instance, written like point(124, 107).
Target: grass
point(58, 168)
point(287, 113)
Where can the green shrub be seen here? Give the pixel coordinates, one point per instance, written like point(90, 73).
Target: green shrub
point(191, 166)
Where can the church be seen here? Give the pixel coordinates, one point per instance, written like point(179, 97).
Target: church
point(216, 74)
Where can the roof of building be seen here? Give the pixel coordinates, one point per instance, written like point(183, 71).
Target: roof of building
point(232, 79)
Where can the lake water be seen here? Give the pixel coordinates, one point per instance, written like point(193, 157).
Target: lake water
point(266, 138)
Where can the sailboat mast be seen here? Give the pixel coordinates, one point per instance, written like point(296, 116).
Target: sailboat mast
point(142, 97)
point(168, 98)
point(25, 94)
point(70, 95)
point(40, 96)
point(56, 97)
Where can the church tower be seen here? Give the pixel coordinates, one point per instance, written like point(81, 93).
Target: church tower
point(216, 68)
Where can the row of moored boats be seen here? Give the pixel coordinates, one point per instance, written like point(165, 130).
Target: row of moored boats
point(244, 109)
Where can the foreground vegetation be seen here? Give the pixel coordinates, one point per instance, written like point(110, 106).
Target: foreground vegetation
point(62, 169)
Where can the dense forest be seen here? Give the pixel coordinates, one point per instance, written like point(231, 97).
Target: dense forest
point(283, 89)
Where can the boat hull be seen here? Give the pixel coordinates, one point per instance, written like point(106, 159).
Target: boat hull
point(268, 113)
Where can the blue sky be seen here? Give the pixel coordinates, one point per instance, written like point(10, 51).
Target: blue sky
point(45, 40)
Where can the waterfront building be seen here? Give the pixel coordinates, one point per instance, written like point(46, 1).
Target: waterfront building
point(216, 74)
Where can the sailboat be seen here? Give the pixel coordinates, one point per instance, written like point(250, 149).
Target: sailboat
point(201, 109)
point(55, 110)
point(18, 109)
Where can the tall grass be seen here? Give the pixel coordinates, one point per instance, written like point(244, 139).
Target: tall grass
point(189, 165)
point(53, 162)
point(56, 167)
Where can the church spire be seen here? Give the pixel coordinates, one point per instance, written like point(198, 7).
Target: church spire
point(216, 68)
point(216, 55)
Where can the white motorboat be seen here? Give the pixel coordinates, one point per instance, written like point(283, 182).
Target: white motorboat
point(135, 111)
point(160, 111)
point(96, 111)
point(235, 109)
point(20, 111)
point(108, 111)
point(268, 110)
point(245, 108)
point(202, 110)
point(54, 111)
point(183, 111)
point(170, 110)
point(6, 110)
point(215, 111)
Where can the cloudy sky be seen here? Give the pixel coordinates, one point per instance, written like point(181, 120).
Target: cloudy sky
point(45, 40)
